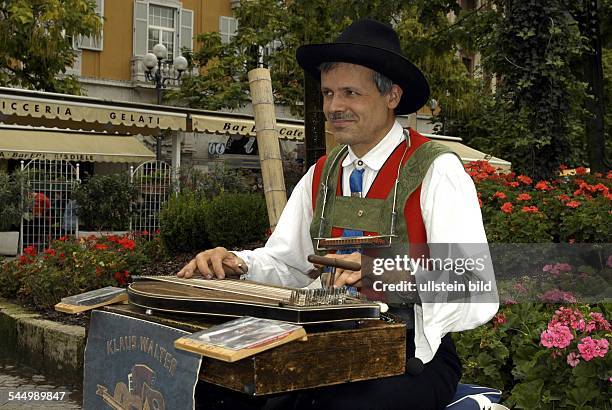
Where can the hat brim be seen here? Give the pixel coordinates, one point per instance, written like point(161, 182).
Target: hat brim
point(389, 63)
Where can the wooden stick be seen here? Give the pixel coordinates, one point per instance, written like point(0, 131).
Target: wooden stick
point(268, 144)
point(333, 262)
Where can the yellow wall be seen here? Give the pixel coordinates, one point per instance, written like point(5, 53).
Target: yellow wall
point(114, 61)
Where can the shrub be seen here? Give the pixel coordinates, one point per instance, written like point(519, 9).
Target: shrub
point(182, 223)
point(103, 202)
point(13, 191)
point(70, 266)
point(211, 184)
point(236, 219)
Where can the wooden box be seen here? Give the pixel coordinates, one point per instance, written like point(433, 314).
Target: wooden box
point(332, 354)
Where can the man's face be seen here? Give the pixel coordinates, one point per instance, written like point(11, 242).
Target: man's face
point(358, 114)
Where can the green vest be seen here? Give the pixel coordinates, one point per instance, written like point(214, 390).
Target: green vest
point(368, 214)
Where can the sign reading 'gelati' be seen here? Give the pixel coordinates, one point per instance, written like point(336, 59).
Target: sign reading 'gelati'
point(91, 113)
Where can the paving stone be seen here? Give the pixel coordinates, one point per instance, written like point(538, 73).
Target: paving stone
point(24, 379)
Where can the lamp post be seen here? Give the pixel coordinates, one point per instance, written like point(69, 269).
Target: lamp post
point(150, 61)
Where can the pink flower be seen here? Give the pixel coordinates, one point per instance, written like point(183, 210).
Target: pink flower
point(587, 347)
point(510, 301)
point(557, 335)
point(563, 267)
point(530, 209)
point(499, 319)
point(547, 338)
point(601, 348)
point(557, 296)
point(563, 335)
point(568, 317)
point(600, 321)
point(578, 324)
point(557, 268)
point(572, 359)
point(520, 288)
point(590, 326)
point(573, 204)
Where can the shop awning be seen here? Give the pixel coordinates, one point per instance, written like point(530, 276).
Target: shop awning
point(244, 126)
point(56, 110)
point(23, 144)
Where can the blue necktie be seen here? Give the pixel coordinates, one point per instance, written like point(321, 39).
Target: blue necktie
point(356, 184)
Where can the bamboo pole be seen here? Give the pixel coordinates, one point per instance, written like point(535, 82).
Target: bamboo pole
point(267, 143)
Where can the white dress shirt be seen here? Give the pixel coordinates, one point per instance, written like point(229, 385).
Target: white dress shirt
point(450, 212)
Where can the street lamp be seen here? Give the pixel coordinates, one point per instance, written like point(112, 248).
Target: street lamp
point(156, 58)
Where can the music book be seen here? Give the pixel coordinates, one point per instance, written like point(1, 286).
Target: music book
point(92, 299)
point(240, 338)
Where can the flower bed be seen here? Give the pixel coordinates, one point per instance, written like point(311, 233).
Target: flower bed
point(542, 354)
point(70, 266)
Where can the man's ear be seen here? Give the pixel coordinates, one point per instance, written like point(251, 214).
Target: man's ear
point(395, 95)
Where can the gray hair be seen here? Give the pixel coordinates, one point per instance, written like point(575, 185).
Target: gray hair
point(383, 83)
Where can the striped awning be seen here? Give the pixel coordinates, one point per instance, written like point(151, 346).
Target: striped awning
point(39, 109)
point(23, 144)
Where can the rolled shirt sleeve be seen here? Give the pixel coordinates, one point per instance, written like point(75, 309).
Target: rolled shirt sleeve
point(451, 214)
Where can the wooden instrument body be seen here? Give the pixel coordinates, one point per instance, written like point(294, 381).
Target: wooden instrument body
point(175, 297)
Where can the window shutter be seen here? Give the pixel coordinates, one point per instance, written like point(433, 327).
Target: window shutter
point(227, 28)
point(186, 33)
point(141, 27)
point(93, 43)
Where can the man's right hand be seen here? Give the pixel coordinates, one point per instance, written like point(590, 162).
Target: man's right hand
point(214, 263)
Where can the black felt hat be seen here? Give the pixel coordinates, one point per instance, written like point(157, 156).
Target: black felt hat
point(374, 45)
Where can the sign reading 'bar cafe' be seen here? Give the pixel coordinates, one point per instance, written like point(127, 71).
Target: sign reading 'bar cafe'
point(244, 126)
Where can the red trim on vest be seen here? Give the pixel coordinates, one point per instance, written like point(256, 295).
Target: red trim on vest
point(383, 184)
point(316, 179)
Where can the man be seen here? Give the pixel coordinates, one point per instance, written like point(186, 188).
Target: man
point(366, 81)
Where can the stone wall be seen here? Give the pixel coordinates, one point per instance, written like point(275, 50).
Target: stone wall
point(52, 348)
